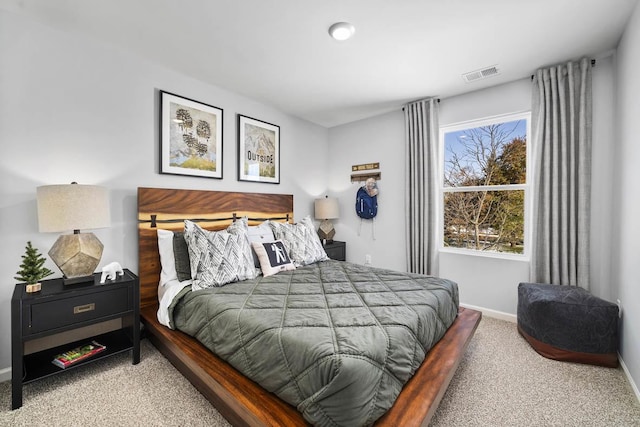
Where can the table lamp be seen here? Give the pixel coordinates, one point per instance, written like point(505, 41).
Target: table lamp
point(326, 209)
point(74, 207)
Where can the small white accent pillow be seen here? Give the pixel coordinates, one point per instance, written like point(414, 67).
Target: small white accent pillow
point(262, 234)
point(219, 257)
point(301, 240)
point(273, 257)
point(167, 257)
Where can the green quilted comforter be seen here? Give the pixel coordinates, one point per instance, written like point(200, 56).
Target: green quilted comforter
point(336, 340)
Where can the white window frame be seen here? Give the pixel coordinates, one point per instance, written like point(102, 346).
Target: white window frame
point(527, 187)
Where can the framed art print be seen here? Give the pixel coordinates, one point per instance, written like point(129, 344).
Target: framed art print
point(190, 137)
point(258, 151)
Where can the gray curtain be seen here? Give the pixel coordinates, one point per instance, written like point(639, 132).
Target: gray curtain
point(421, 132)
point(561, 134)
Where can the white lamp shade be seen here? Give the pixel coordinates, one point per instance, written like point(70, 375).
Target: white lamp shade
point(72, 207)
point(327, 208)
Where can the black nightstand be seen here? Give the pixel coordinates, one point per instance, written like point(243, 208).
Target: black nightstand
point(336, 250)
point(59, 318)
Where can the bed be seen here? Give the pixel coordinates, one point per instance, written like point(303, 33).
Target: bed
point(240, 400)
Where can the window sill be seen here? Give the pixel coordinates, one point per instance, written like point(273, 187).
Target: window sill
point(485, 254)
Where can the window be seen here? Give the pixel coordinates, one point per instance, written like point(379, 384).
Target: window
point(485, 185)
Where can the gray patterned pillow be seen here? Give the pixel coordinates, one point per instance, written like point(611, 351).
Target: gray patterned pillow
point(301, 241)
point(218, 257)
point(241, 227)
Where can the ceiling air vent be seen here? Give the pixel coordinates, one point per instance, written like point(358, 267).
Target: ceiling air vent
point(481, 74)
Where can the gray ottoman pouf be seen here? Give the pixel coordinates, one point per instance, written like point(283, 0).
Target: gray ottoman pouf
point(568, 323)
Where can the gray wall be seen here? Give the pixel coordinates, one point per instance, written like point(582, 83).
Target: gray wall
point(379, 139)
point(626, 203)
point(73, 109)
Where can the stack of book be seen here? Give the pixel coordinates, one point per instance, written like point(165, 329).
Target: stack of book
point(78, 354)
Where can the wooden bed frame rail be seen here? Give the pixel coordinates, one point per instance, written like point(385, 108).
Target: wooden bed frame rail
point(244, 403)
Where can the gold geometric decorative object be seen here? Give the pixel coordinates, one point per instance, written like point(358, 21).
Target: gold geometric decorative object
point(326, 231)
point(77, 255)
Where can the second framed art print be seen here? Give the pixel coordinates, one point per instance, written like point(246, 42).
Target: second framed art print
point(190, 137)
point(258, 150)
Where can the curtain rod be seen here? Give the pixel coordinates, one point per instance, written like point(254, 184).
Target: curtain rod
point(437, 100)
point(593, 64)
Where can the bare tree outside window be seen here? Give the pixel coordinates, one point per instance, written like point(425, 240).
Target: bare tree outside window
point(484, 187)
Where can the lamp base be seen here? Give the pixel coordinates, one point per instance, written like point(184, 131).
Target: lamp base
point(77, 256)
point(326, 231)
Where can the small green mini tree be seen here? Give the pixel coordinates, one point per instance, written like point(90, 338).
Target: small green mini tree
point(32, 270)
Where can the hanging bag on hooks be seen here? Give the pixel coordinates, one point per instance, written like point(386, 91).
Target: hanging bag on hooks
point(367, 203)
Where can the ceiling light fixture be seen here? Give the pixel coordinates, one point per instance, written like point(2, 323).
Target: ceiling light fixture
point(342, 30)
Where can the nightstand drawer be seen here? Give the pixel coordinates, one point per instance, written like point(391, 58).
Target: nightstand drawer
point(68, 311)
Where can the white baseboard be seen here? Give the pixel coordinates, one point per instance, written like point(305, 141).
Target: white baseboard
point(633, 385)
point(5, 375)
point(493, 313)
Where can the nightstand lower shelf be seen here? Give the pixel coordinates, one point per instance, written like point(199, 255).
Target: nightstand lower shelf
point(38, 365)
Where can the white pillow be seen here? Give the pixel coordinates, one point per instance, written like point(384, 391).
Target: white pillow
point(259, 234)
point(218, 257)
point(273, 257)
point(167, 257)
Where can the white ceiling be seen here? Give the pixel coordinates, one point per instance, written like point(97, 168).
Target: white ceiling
point(279, 51)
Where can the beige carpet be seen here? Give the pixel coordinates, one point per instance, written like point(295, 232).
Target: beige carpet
point(500, 382)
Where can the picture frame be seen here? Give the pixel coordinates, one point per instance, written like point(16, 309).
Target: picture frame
point(258, 150)
point(190, 137)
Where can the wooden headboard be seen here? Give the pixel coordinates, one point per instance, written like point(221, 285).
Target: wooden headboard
point(213, 210)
